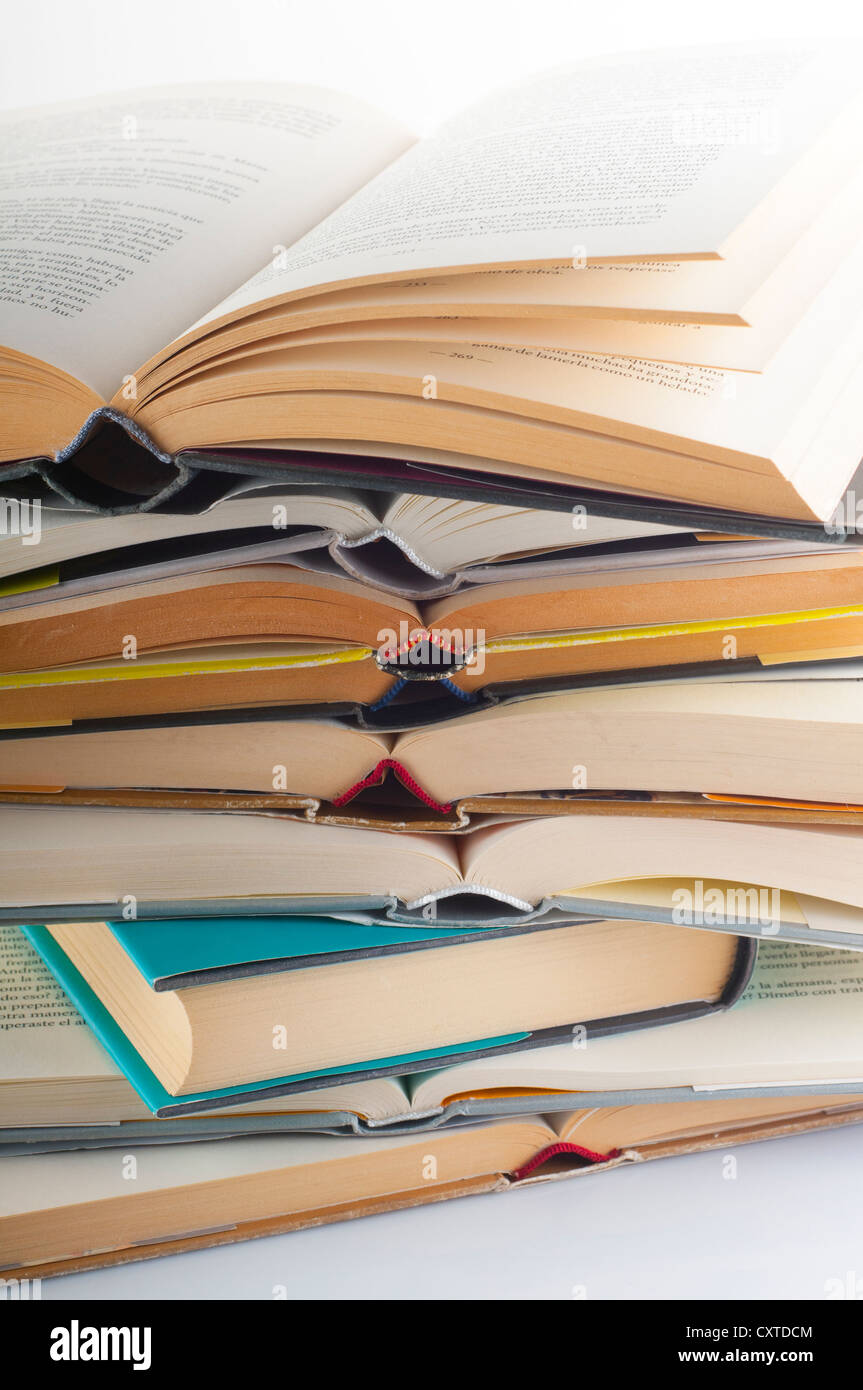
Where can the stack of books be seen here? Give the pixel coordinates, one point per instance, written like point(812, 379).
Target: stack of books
point(430, 729)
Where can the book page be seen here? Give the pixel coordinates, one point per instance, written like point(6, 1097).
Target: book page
point(572, 856)
point(38, 1182)
point(48, 855)
point(798, 1021)
point(67, 535)
point(632, 155)
point(41, 1032)
point(766, 250)
point(780, 300)
point(713, 413)
point(381, 1165)
point(127, 217)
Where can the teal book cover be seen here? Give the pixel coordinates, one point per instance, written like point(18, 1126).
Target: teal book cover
point(187, 951)
point(161, 1103)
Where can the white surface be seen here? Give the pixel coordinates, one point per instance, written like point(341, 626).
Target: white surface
point(792, 1219)
point(789, 1222)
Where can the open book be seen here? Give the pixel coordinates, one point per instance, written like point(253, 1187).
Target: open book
point(273, 633)
point(408, 544)
point(794, 1032)
point(411, 544)
point(61, 1212)
point(266, 1010)
point(748, 877)
point(659, 254)
point(755, 748)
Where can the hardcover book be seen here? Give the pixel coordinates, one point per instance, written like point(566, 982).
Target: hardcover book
point(684, 871)
point(62, 1212)
point(262, 1008)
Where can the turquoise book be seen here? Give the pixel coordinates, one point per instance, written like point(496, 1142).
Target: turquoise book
point(203, 1014)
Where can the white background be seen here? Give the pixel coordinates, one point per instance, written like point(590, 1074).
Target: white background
point(792, 1220)
point(421, 59)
